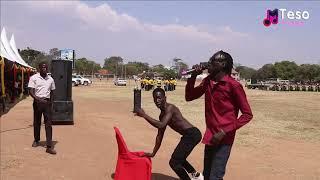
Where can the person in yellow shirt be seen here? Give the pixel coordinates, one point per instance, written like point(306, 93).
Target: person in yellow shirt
point(151, 83)
point(142, 83)
point(171, 84)
point(159, 82)
point(166, 85)
point(174, 84)
point(147, 84)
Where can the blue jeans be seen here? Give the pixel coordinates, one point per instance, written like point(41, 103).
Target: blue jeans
point(215, 161)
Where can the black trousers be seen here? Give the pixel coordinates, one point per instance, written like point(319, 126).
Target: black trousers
point(178, 161)
point(39, 109)
point(215, 161)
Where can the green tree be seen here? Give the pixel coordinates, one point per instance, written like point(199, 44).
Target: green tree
point(159, 68)
point(131, 69)
point(54, 53)
point(80, 65)
point(286, 69)
point(317, 78)
point(179, 66)
point(113, 64)
point(246, 72)
point(170, 73)
point(134, 68)
point(92, 67)
point(141, 66)
point(29, 55)
point(85, 66)
point(34, 57)
point(265, 72)
point(308, 72)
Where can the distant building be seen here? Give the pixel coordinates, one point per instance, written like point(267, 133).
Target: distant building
point(103, 72)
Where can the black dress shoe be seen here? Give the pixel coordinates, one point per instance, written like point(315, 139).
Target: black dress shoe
point(51, 151)
point(35, 144)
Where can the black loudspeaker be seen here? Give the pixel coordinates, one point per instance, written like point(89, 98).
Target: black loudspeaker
point(136, 99)
point(61, 72)
point(62, 112)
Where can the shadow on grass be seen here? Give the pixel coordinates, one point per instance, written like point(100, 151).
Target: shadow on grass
point(17, 129)
point(62, 123)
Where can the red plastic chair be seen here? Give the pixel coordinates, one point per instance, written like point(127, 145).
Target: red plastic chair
point(130, 165)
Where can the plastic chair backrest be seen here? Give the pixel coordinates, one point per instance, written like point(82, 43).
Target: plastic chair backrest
point(122, 147)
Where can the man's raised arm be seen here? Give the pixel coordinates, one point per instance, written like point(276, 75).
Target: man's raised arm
point(191, 92)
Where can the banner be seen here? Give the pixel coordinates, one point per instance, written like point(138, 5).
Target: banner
point(67, 54)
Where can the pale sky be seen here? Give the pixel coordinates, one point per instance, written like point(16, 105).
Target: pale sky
point(156, 32)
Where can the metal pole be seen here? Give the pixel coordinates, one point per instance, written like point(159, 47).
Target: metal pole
point(125, 72)
point(121, 70)
point(116, 70)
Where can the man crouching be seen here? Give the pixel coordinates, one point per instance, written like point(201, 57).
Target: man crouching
point(170, 115)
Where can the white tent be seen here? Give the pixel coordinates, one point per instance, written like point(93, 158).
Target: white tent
point(4, 53)
point(5, 47)
point(15, 50)
point(10, 51)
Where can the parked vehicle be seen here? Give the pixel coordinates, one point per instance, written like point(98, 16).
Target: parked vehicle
point(75, 81)
point(120, 82)
point(82, 80)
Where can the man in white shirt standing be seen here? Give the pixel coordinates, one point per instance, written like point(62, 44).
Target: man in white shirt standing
point(41, 86)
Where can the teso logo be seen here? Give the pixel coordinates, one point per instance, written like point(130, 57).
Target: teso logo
point(293, 18)
point(272, 17)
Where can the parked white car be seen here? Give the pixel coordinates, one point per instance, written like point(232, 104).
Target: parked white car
point(75, 81)
point(120, 82)
point(82, 80)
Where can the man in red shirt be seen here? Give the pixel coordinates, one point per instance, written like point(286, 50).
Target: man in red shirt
point(224, 97)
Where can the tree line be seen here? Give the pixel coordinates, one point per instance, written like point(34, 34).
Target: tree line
point(115, 65)
point(287, 70)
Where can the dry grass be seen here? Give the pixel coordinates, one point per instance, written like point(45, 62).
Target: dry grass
point(284, 131)
point(288, 115)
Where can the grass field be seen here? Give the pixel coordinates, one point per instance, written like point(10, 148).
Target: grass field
point(277, 114)
point(282, 142)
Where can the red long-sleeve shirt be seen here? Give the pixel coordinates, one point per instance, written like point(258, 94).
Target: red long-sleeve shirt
point(223, 100)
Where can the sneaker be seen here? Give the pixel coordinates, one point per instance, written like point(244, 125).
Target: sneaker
point(35, 144)
point(197, 176)
point(51, 151)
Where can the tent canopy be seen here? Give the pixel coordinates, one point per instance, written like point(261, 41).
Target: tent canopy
point(10, 51)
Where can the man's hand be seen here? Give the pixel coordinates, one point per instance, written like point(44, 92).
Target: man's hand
point(198, 70)
point(140, 112)
point(148, 155)
point(40, 100)
point(216, 139)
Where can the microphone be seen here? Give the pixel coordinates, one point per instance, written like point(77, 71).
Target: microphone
point(190, 71)
point(203, 65)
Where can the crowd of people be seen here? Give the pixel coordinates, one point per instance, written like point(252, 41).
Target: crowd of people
point(168, 84)
point(296, 87)
point(288, 86)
